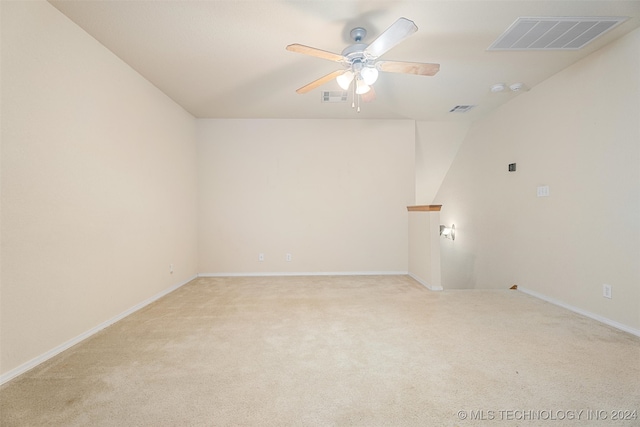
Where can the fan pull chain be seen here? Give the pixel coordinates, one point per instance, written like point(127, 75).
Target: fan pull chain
point(353, 100)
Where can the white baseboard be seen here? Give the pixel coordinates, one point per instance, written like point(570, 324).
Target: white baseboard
point(424, 283)
point(66, 345)
point(322, 273)
point(593, 316)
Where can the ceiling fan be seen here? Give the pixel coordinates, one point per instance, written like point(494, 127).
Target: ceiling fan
point(360, 60)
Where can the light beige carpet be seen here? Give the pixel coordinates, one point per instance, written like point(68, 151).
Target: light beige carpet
point(336, 351)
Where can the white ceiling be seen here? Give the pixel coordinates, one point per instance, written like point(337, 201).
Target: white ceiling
point(227, 59)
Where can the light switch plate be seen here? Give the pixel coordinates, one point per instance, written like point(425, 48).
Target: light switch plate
point(543, 191)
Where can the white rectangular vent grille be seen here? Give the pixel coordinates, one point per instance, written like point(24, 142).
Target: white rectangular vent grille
point(548, 33)
point(334, 96)
point(461, 108)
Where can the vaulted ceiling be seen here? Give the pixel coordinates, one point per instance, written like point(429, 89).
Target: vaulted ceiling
point(227, 59)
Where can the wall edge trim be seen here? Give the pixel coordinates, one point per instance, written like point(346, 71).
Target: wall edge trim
point(425, 284)
point(601, 319)
point(25, 367)
point(304, 273)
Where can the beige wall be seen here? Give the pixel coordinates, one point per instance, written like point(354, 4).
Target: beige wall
point(333, 193)
point(424, 248)
point(436, 146)
point(98, 185)
point(578, 133)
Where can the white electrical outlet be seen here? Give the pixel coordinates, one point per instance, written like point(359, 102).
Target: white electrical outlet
point(261, 257)
point(606, 291)
point(288, 257)
point(170, 268)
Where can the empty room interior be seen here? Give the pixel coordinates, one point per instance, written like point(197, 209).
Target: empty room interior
point(320, 213)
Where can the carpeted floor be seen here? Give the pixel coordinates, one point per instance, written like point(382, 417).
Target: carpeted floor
point(336, 351)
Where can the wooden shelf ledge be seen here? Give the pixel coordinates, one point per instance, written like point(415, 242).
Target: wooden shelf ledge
point(424, 208)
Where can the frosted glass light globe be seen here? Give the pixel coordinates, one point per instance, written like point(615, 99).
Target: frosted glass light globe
point(369, 75)
point(344, 79)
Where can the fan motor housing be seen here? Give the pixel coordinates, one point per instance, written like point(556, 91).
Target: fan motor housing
point(355, 53)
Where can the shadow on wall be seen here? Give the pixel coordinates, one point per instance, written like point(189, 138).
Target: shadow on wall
point(457, 267)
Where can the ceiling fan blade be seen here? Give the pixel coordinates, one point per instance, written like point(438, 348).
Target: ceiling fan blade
point(322, 80)
point(312, 51)
point(398, 31)
point(420, 68)
point(369, 96)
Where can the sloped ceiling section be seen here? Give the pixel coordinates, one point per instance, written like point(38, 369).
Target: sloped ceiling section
point(227, 59)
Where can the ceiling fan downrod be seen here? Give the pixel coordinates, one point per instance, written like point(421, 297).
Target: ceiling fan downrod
point(357, 34)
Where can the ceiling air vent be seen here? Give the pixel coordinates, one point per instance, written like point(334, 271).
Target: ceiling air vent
point(549, 33)
point(334, 96)
point(461, 108)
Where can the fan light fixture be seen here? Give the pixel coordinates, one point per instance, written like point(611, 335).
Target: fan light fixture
point(344, 80)
point(367, 76)
point(361, 86)
point(361, 61)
